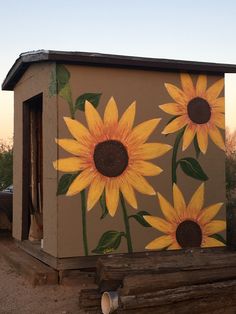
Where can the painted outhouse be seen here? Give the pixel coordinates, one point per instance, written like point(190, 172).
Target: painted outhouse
point(117, 154)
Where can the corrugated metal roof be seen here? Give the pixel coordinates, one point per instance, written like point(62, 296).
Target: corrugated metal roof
point(107, 60)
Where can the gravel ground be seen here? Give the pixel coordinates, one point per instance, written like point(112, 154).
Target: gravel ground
point(17, 296)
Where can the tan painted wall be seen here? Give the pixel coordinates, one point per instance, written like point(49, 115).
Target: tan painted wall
point(148, 89)
point(36, 80)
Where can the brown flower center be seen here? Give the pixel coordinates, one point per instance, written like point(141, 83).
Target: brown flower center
point(189, 234)
point(110, 158)
point(199, 110)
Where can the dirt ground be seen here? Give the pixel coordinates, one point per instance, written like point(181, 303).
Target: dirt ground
point(17, 296)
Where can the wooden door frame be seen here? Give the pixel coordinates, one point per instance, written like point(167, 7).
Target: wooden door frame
point(25, 164)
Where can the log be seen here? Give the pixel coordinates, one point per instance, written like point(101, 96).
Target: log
point(90, 301)
point(112, 271)
point(210, 305)
point(217, 297)
point(143, 283)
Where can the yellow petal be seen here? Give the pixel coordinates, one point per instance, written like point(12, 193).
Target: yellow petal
point(142, 131)
point(187, 84)
point(173, 108)
point(196, 202)
point(71, 164)
point(95, 191)
point(78, 130)
point(94, 120)
point(168, 211)
point(127, 120)
point(73, 147)
point(151, 150)
point(207, 214)
point(139, 183)
point(111, 113)
point(214, 226)
point(201, 85)
point(214, 91)
point(216, 136)
point(202, 138)
point(80, 182)
point(112, 196)
point(177, 94)
point(176, 124)
point(159, 224)
point(218, 119)
point(219, 104)
point(211, 242)
point(188, 136)
point(146, 168)
point(179, 202)
point(128, 193)
point(160, 243)
point(174, 246)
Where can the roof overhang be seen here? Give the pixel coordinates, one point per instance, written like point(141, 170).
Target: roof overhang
point(107, 60)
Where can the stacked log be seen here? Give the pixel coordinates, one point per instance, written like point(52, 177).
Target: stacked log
point(90, 301)
point(112, 270)
point(191, 281)
point(216, 297)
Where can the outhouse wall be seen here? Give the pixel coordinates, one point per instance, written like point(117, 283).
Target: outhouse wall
point(62, 218)
point(149, 91)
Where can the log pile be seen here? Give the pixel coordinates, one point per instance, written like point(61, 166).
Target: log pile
point(191, 281)
point(89, 301)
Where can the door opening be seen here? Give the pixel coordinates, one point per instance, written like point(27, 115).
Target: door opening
point(32, 226)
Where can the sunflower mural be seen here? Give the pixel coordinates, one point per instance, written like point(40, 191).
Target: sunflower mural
point(198, 113)
point(112, 156)
point(186, 225)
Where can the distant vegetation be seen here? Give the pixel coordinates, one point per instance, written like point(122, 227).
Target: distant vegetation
point(6, 164)
point(231, 166)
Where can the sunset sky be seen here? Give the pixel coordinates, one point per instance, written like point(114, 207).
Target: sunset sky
point(178, 29)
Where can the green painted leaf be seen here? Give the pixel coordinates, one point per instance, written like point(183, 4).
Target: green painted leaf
point(59, 78)
point(196, 146)
point(63, 76)
point(64, 183)
point(140, 219)
point(192, 168)
point(103, 205)
point(65, 93)
point(218, 237)
point(93, 98)
point(53, 83)
point(109, 242)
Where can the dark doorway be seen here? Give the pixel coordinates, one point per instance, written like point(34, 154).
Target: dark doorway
point(32, 196)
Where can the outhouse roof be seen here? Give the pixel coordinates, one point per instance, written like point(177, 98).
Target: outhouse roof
point(108, 60)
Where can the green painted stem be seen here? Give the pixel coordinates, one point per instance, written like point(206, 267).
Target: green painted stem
point(72, 113)
point(82, 193)
point(174, 156)
point(126, 222)
point(84, 224)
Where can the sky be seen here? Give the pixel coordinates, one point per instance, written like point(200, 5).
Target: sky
point(177, 29)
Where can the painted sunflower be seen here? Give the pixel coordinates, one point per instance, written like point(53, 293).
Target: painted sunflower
point(184, 225)
point(110, 155)
point(199, 109)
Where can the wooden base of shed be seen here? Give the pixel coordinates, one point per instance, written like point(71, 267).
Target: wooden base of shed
point(80, 262)
point(191, 281)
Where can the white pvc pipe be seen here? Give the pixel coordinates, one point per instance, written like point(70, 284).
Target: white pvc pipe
point(109, 302)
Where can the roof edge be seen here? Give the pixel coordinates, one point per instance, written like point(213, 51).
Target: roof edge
point(109, 60)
